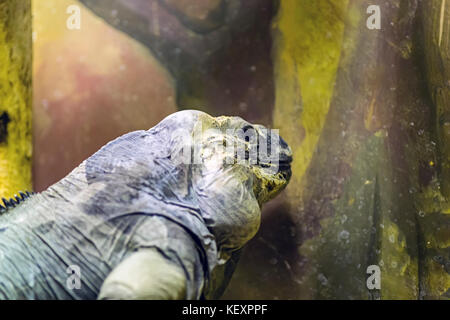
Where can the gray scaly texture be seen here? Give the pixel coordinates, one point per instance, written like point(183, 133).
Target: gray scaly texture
point(130, 196)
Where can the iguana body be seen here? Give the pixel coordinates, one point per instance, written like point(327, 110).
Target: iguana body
point(137, 223)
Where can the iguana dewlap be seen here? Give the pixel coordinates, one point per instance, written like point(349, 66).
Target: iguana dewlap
point(138, 222)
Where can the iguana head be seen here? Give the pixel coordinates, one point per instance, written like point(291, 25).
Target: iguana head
point(253, 147)
point(225, 143)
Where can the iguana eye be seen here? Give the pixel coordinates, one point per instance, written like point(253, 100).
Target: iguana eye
point(245, 129)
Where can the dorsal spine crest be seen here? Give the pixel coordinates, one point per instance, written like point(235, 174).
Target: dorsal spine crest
point(6, 204)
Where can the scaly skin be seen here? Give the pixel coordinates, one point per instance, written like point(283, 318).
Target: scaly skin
point(138, 222)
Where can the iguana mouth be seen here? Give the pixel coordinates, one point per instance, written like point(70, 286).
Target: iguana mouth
point(285, 169)
point(273, 177)
point(282, 166)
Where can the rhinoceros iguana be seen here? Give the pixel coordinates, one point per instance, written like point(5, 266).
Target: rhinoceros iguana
point(133, 221)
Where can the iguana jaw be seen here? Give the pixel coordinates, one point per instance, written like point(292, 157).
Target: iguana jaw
point(271, 179)
point(268, 186)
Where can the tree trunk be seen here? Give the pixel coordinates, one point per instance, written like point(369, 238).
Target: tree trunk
point(435, 207)
point(15, 96)
point(366, 187)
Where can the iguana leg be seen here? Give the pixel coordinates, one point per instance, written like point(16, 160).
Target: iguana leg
point(145, 275)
